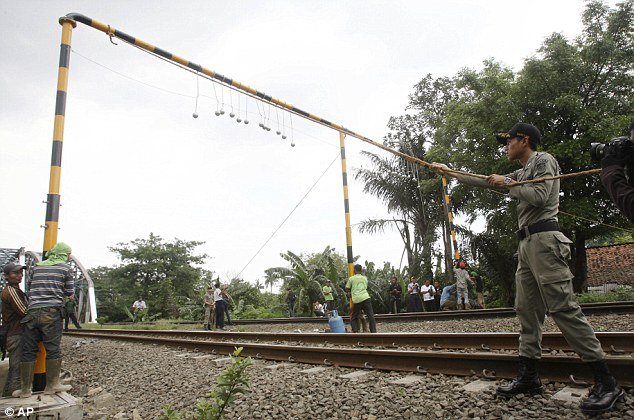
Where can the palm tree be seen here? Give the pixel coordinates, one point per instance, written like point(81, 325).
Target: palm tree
point(306, 278)
point(272, 276)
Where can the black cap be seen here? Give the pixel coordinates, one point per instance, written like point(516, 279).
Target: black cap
point(520, 130)
point(13, 267)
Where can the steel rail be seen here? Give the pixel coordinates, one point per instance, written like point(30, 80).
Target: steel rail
point(612, 342)
point(491, 365)
point(624, 307)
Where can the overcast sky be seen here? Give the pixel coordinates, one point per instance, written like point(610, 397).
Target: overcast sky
point(135, 161)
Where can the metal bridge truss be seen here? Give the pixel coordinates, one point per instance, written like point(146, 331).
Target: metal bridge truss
point(84, 287)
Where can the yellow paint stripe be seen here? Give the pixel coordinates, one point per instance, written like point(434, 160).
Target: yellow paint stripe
point(180, 60)
point(450, 217)
point(62, 79)
point(345, 191)
point(50, 235)
point(67, 32)
point(101, 26)
point(143, 44)
point(40, 361)
point(53, 186)
point(213, 74)
point(347, 216)
point(58, 128)
point(447, 199)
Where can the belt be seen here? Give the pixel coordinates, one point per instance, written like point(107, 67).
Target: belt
point(541, 226)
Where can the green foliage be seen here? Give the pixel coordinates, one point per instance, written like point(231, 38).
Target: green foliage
point(251, 312)
point(307, 275)
point(164, 273)
point(232, 383)
point(576, 91)
point(617, 295)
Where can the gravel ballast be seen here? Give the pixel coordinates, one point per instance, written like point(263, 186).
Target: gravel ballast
point(126, 380)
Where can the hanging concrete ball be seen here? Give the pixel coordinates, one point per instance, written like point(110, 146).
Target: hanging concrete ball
point(217, 113)
point(284, 137)
point(239, 119)
point(246, 121)
point(278, 132)
point(232, 115)
point(292, 144)
point(222, 112)
point(261, 125)
point(195, 115)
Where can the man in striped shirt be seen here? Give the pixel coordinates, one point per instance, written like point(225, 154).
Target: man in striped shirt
point(13, 310)
point(52, 280)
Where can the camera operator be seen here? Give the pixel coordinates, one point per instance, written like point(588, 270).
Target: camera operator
point(617, 154)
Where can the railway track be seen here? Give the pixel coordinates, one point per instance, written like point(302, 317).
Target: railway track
point(482, 362)
point(624, 307)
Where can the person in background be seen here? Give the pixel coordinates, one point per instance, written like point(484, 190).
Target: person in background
point(70, 313)
point(437, 295)
point(226, 297)
point(220, 307)
point(14, 306)
point(395, 292)
point(319, 309)
point(448, 298)
point(357, 287)
point(137, 307)
point(290, 300)
point(413, 290)
point(462, 285)
point(329, 299)
point(479, 284)
point(209, 306)
point(428, 291)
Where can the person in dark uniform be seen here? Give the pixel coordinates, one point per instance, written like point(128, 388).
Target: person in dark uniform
point(543, 279)
point(394, 290)
point(479, 285)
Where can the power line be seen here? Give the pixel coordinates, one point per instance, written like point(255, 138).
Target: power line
point(289, 215)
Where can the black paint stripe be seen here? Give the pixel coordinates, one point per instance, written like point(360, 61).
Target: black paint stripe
point(325, 122)
point(52, 208)
point(195, 66)
point(56, 156)
point(78, 17)
point(346, 205)
point(124, 36)
point(350, 256)
point(60, 103)
point(264, 96)
point(343, 153)
point(345, 178)
point(300, 112)
point(64, 55)
point(162, 53)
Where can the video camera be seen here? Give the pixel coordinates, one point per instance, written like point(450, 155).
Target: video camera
point(620, 148)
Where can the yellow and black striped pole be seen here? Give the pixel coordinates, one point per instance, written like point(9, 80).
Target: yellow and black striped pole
point(452, 228)
point(346, 208)
point(53, 197)
point(346, 205)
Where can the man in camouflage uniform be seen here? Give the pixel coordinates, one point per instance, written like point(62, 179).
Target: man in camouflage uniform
point(543, 279)
point(210, 313)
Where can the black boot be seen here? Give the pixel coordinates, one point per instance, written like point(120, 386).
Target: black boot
point(527, 382)
point(605, 392)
